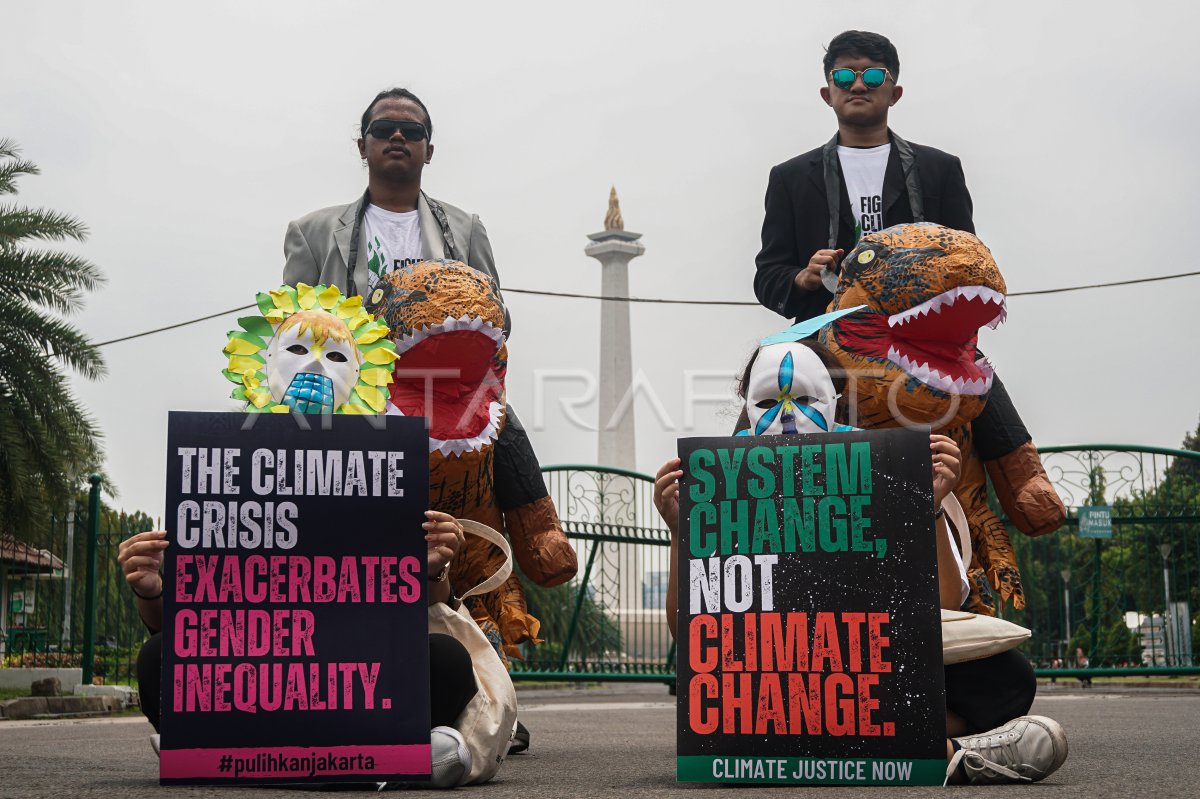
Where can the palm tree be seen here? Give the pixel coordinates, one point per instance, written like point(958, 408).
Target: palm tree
point(47, 440)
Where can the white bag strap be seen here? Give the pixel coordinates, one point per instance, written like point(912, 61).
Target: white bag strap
point(502, 574)
point(958, 519)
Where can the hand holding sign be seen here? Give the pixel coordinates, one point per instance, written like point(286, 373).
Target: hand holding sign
point(666, 493)
point(666, 501)
point(444, 537)
point(947, 466)
point(141, 557)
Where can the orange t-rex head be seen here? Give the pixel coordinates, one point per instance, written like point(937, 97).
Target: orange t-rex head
point(447, 321)
point(911, 353)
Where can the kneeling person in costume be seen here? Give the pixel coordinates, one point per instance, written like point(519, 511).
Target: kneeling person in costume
point(794, 386)
point(314, 351)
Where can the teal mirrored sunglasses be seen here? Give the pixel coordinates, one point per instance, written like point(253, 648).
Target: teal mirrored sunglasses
point(872, 78)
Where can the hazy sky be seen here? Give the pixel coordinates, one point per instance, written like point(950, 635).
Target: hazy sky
point(187, 136)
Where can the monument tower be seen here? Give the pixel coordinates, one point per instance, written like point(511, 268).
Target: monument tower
point(614, 248)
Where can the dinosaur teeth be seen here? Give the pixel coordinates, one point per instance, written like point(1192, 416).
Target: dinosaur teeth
point(942, 381)
point(949, 297)
point(475, 324)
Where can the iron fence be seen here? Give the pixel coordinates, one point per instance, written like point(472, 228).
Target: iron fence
point(1140, 589)
point(609, 623)
point(48, 616)
point(1128, 603)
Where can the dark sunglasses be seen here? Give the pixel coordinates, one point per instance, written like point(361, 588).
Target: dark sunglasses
point(385, 129)
point(872, 78)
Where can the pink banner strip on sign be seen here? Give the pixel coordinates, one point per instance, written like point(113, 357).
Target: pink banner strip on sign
point(295, 763)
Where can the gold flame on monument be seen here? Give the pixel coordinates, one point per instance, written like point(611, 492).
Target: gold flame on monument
point(613, 220)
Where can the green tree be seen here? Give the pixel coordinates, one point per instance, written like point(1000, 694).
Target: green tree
point(47, 440)
point(597, 634)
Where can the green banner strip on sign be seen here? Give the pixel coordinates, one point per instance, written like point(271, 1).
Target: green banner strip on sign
point(810, 770)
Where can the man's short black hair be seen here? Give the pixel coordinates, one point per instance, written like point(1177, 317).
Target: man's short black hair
point(398, 94)
point(863, 44)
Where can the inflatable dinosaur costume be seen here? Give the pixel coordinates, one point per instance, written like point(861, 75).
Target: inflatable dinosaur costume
point(912, 358)
point(313, 350)
point(446, 320)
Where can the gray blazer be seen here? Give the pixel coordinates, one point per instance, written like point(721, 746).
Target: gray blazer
point(317, 245)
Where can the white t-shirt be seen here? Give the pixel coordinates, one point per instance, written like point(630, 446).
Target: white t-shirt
point(863, 169)
point(393, 241)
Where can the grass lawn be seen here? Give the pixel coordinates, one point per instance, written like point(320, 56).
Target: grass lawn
point(17, 693)
point(13, 693)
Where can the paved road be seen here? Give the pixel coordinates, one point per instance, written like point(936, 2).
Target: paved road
point(618, 741)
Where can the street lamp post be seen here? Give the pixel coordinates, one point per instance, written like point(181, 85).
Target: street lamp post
point(1165, 549)
point(1066, 576)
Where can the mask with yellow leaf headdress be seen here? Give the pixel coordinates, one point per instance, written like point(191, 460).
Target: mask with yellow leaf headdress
point(311, 349)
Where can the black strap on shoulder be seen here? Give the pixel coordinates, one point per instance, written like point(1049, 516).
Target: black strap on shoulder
point(912, 177)
point(439, 214)
point(833, 187)
point(352, 258)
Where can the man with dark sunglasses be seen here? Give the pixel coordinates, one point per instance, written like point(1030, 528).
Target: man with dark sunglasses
point(394, 223)
point(864, 179)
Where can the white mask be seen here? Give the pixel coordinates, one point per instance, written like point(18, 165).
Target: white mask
point(311, 377)
point(790, 391)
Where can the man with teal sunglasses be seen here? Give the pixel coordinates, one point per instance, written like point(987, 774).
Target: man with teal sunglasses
point(864, 179)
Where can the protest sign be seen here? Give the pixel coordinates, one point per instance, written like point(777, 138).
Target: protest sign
point(295, 637)
point(808, 628)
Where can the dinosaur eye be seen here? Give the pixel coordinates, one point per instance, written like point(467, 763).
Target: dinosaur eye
point(765, 404)
point(298, 349)
point(337, 357)
point(857, 261)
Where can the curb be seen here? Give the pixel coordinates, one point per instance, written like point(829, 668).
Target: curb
point(33, 707)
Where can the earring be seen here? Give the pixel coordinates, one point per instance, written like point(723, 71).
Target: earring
point(364, 162)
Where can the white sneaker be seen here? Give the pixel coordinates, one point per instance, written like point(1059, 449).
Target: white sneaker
point(451, 758)
point(1026, 749)
point(155, 740)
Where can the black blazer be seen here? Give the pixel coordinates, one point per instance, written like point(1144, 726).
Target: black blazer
point(796, 224)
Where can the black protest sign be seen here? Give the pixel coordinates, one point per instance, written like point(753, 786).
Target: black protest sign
point(809, 640)
point(295, 622)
